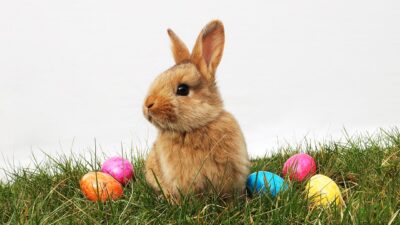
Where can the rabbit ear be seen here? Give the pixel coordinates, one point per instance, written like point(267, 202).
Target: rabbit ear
point(179, 49)
point(207, 52)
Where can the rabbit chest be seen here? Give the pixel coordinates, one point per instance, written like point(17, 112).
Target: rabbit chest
point(192, 158)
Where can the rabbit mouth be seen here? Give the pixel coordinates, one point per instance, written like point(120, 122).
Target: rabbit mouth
point(162, 124)
point(161, 121)
point(151, 119)
point(164, 117)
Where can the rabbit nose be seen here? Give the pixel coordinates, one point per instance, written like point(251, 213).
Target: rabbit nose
point(150, 102)
point(150, 105)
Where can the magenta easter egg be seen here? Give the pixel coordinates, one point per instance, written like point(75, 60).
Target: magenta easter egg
point(299, 166)
point(119, 168)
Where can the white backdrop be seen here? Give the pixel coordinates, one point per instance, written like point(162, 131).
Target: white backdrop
point(79, 70)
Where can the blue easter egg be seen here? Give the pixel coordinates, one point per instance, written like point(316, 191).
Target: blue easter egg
point(256, 182)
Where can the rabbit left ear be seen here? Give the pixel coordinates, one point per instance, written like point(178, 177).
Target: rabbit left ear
point(179, 49)
point(207, 52)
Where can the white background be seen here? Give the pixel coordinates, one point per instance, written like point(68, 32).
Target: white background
point(72, 71)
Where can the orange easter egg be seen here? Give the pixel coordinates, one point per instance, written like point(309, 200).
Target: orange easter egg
point(98, 186)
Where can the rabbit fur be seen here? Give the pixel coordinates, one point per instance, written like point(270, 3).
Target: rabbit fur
point(199, 145)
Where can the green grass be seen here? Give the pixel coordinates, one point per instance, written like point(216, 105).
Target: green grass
point(366, 168)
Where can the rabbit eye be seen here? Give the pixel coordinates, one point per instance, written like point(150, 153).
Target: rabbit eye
point(182, 90)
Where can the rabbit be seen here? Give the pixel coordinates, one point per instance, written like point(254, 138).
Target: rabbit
point(199, 146)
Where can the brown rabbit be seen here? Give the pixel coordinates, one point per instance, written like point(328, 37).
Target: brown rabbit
point(198, 143)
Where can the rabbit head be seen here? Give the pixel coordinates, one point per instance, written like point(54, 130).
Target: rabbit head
point(185, 97)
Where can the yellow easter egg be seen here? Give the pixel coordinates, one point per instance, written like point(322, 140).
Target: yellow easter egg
point(323, 191)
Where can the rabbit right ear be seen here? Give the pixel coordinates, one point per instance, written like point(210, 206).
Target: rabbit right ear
point(179, 49)
point(207, 51)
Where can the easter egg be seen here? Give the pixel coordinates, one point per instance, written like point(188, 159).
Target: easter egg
point(323, 191)
point(98, 186)
point(299, 166)
point(263, 181)
point(119, 168)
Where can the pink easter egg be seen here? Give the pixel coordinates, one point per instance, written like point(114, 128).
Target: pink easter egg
point(299, 166)
point(119, 168)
